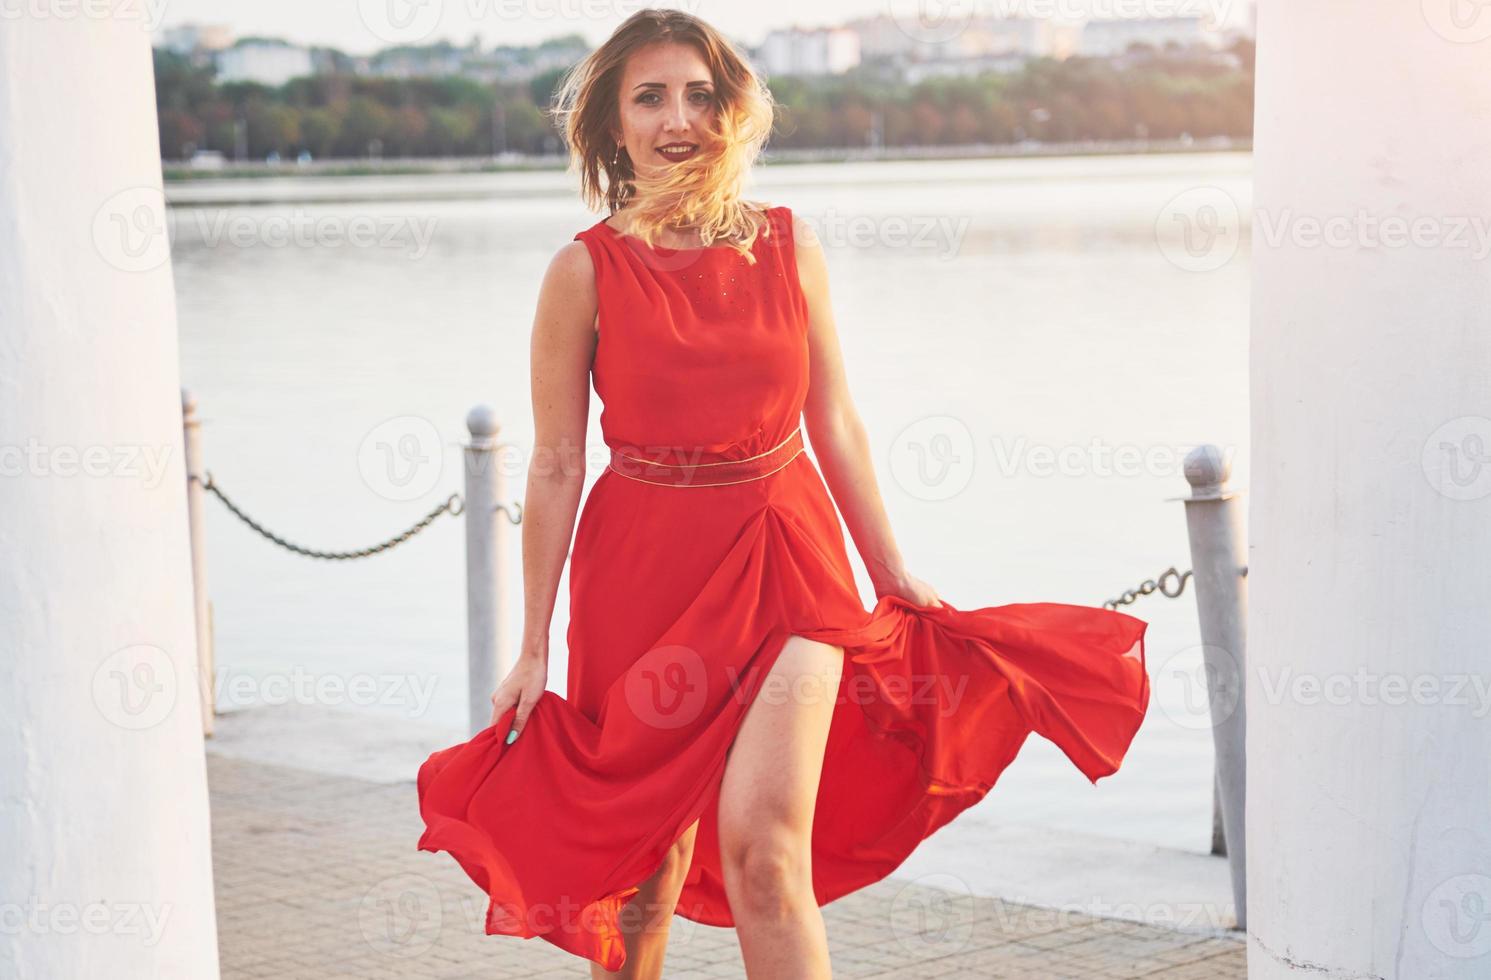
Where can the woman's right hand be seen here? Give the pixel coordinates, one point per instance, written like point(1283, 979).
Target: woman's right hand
point(523, 686)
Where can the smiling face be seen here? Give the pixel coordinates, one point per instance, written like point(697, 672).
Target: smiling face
point(667, 101)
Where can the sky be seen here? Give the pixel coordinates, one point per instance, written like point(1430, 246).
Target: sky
point(364, 26)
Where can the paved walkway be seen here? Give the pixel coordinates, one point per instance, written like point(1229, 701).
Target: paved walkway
point(317, 876)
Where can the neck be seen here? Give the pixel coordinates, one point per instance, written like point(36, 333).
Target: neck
point(674, 236)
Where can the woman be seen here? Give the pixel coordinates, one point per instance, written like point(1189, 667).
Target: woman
point(741, 742)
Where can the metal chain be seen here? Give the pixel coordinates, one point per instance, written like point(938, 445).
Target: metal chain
point(1159, 586)
point(453, 505)
point(1152, 585)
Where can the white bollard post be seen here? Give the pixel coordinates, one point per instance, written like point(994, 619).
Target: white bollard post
point(196, 473)
point(1218, 547)
point(486, 574)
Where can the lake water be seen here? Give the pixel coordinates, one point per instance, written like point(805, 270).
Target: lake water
point(1055, 334)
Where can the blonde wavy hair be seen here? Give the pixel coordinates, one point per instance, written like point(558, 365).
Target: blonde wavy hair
point(702, 192)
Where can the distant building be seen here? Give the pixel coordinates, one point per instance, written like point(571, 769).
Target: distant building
point(430, 61)
point(991, 43)
point(999, 64)
point(799, 51)
point(188, 39)
point(519, 64)
point(1027, 36)
point(505, 63)
point(1113, 36)
point(1065, 41)
point(882, 37)
point(262, 60)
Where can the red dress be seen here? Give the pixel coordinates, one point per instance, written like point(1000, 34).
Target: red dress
point(681, 597)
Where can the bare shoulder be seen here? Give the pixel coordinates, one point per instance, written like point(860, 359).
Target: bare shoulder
point(571, 274)
point(572, 265)
point(812, 266)
point(804, 234)
point(568, 298)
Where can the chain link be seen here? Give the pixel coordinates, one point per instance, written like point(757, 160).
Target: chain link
point(1150, 586)
point(453, 505)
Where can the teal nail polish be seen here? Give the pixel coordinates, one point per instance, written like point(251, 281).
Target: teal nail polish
point(511, 735)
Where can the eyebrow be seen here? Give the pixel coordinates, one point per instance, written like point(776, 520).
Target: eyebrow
point(664, 85)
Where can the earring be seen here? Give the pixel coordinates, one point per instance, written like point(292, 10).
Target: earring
point(616, 157)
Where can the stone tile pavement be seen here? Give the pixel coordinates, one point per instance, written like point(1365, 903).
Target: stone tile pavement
point(317, 876)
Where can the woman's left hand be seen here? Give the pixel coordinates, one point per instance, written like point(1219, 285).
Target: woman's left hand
point(912, 589)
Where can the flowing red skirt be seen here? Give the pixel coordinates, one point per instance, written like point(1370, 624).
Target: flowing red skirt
point(681, 599)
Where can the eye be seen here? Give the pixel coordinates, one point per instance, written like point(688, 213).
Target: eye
point(699, 96)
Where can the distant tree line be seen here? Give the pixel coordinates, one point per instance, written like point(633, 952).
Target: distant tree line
point(1159, 95)
point(1145, 94)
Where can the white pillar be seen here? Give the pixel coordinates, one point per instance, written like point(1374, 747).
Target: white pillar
point(1369, 764)
point(105, 866)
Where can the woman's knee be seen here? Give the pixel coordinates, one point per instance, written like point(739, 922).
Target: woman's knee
point(771, 775)
point(768, 865)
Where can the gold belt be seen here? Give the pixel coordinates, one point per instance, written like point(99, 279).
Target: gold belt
point(721, 473)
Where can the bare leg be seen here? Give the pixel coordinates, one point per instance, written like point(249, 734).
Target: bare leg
point(766, 814)
point(646, 917)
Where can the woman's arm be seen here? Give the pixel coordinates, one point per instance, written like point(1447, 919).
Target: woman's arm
point(838, 436)
point(560, 353)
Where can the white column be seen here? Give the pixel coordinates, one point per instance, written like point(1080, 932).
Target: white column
point(1369, 627)
point(105, 865)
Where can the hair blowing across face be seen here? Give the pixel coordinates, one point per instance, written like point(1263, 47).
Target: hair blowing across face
point(702, 192)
